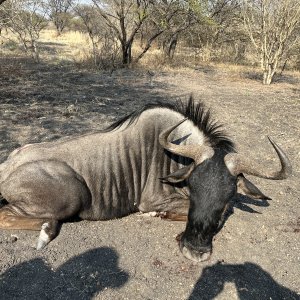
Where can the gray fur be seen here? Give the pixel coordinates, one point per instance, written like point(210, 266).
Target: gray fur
point(101, 175)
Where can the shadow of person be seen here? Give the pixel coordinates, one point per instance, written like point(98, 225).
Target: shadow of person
point(250, 280)
point(81, 277)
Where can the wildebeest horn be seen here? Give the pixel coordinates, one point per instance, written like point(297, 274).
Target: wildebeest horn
point(237, 165)
point(196, 152)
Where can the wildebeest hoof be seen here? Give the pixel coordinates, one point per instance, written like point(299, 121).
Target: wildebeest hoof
point(44, 237)
point(154, 214)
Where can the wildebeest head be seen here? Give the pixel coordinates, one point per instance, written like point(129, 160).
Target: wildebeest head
point(213, 178)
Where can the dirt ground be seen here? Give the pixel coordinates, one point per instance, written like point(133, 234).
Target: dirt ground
point(256, 254)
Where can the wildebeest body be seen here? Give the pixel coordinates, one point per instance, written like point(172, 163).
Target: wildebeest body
point(120, 170)
point(165, 158)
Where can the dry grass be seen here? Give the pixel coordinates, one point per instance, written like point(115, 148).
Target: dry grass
point(70, 46)
point(75, 47)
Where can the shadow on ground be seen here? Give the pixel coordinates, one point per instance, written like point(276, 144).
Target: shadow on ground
point(250, 280)
point(80, 277)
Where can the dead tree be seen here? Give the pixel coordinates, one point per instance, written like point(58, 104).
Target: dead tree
point(26, 19)
point(59, 13)
point(270, 25)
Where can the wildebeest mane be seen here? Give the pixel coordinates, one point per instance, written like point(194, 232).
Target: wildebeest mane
point(194, 111)
point(201, 117)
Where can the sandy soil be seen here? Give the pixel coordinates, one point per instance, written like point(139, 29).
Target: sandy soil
point(256, 254)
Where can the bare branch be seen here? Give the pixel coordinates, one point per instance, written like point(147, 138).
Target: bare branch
point(270, 26)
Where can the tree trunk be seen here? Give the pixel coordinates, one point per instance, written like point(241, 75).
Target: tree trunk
point(95, 52)
point(126, 53)
point(268, 73)
point(35, 51)
point(172, 48)
point(283, 67)
point(59, 30)
point(148, 45)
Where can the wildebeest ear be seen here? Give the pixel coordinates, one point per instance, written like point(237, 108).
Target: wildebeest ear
point(246, 187)
point(180, 174)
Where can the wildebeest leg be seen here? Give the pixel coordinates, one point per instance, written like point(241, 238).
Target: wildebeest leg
point(173, 216)
point(41, 193)
point(153, 214)
point(169, 216)
point(177, 210)
point(9, 219)
point(48, 232)
point(174, 208)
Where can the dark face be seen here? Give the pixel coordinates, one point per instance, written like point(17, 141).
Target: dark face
point(211, 188)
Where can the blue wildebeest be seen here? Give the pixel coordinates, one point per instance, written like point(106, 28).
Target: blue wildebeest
point(169, 158)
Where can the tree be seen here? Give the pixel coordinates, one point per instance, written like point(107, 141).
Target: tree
point(128, 19)
point(25, 19)
point(218, 33)
point(59, 13)
point(170, 19)
point(270, 25)
point(105, 49)
point(125, 18)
